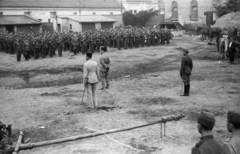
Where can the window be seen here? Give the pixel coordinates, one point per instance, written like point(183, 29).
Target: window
point(111, 12)
point(94, 13)
point(70, 26)
point(49, 20)
point(174, 11)
point(75, 13)
point(131, 11)
point(194, 10)
point(1, 13)
point(135, 11)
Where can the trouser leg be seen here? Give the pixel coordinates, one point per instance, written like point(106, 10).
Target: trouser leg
point(94, 95)
point(107, 80)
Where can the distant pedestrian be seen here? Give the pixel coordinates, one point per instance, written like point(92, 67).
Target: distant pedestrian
point(207, 144)
point(104, 69)
point(185, 71)
point(90, 79)
point(233, 126)
point(232, 50)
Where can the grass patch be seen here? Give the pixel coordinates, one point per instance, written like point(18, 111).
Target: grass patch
point(154, 100)
point(146, 149)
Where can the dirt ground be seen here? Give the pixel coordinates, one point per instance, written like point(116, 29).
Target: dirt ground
point(43, 98)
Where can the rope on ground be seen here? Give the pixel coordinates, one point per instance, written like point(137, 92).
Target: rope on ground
point(115, 140)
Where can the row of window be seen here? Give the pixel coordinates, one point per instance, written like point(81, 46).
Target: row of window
point(193, 10)
point(54, 13)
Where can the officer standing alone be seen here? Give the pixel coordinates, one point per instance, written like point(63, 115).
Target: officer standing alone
point(185, 71)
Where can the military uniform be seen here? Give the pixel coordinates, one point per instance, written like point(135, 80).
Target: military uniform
point(233, 145)
point(207, 143)
point(185, 72)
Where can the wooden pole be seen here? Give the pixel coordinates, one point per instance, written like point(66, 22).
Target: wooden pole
point(16, 149)
point(73, 138)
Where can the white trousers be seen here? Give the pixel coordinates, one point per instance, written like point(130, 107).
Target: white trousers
point(91, 93)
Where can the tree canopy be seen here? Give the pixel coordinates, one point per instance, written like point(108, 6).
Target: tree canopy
point(228, 7)
point(138, 19)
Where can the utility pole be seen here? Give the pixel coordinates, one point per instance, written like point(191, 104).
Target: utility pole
point(121, 7)
point(79, 6)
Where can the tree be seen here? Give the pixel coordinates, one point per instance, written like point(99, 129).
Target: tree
point(140, 19)
point(228, 7)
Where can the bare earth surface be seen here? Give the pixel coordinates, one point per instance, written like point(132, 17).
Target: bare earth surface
point(43, 98)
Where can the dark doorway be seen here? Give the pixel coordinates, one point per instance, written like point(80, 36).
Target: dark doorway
point(88, 26)
point(10, 29)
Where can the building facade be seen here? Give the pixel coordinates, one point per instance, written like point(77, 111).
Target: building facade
point(47, 11)
point(190, 11)
point(186, 12)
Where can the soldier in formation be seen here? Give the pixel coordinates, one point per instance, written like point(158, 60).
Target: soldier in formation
point(44, 44)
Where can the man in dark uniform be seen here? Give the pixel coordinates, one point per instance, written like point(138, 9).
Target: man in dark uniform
point(233, 126)
point(232, 50)
point(17, 49)
point(207, 144)
point(185, 71)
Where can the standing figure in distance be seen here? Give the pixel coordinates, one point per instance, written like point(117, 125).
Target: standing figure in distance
point(185, 71)
point(207, 144)
point(104, 69)
point(90, 79)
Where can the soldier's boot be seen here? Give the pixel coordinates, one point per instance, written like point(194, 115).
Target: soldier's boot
point(185, 90)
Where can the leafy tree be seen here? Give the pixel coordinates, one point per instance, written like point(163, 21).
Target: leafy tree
point(228, 7)
point(130, 19)
point(139, 19)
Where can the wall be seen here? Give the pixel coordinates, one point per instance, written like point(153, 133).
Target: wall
point(44, 13)
point(3, 29)
point(184, 10)
point(47, 27)
point(28, 28)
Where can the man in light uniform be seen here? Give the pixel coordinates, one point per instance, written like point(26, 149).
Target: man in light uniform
point(90, 79)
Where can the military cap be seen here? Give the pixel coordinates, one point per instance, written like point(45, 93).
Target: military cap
point(206, 119)
point(234, 117)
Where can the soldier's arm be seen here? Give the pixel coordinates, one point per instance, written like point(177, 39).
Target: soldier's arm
point(103, 63)
point(97, 72)
point(182, 66)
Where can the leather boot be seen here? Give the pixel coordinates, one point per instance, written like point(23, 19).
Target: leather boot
point(185, 90)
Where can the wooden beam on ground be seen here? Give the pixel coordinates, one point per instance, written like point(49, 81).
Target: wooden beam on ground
point(19, 142)
point(73, 138)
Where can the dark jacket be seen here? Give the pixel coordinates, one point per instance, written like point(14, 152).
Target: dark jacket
point(186, 65)
point(208, 145)
point(232, 49)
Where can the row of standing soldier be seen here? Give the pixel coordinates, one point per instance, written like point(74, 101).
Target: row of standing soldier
point(43, 44)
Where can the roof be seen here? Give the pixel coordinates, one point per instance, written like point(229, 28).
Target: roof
point(89, 18)
point(61, 3)
point(17, 20)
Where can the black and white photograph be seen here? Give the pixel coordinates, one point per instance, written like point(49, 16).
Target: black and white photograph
point(119, 76)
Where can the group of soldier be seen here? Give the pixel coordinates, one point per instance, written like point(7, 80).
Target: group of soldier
point(43, 44)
